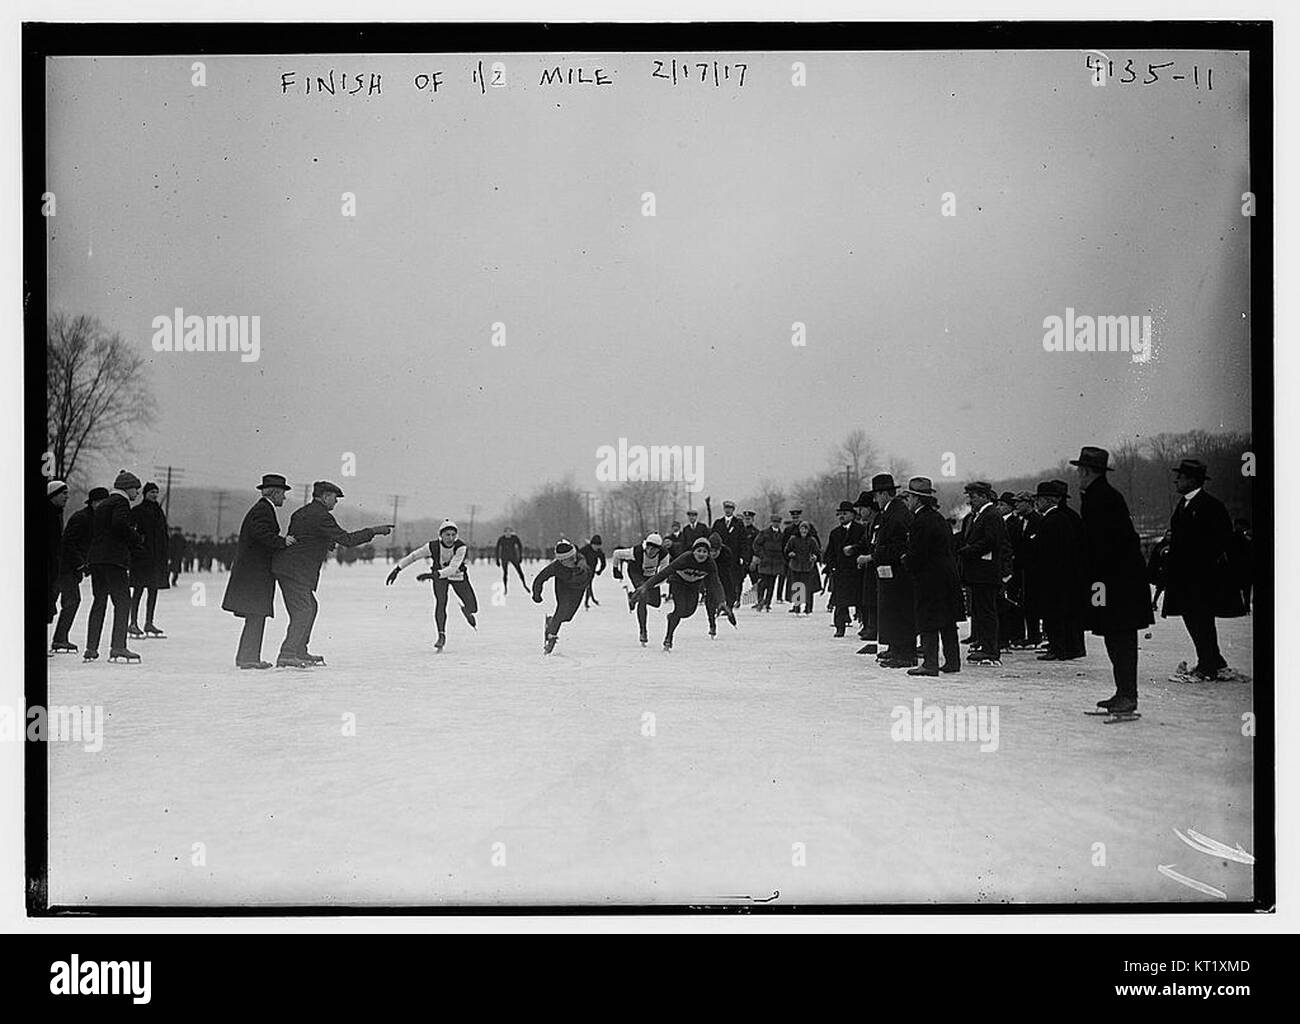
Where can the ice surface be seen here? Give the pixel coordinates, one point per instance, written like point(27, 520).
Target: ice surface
point(771, 736)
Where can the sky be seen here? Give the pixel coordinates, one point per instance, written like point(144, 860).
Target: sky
point(774, 204)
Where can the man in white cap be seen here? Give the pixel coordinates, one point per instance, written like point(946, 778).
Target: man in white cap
point(572, 574)
point(643, 561)
point(448, 557)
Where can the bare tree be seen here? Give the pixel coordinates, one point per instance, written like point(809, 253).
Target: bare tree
point(768, 498)
point(900, 469)
point(1127, 458)
point(859, 453)
point(96, 391)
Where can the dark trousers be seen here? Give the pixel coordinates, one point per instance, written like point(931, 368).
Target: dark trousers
point(463, 590)
point(765, 585)
point(1205, 635)
point(686, 598)
point(984, 618)
point(567, 603)
point(505, 575)
point(930, 646)
point(1122, 649)
point(108, 583)
point(69, 602)
point(731, 576)
point(150, 603)
point(250, 640)
point(300, 601)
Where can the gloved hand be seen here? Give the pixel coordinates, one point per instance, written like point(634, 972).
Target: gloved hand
point(392, 577)
point(427, 576)
point(537, 599)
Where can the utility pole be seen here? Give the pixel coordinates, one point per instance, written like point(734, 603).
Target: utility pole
point(397, 498)
point(472, 510)
point(848, 484)
point(221, 504)
point(172, 473)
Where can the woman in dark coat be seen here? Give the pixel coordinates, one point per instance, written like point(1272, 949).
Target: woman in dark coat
point(932, 565)
point(149, 563)
point(801, 554)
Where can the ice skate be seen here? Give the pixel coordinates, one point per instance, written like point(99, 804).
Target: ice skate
point(440, 643)
point(123, 654)
point(153, 632)
point(63, 647)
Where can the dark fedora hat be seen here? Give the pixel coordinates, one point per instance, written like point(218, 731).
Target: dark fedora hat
point(921, 485)
point(845, 506)
point(1193, 467)
point(864, 500)
point(1052, 489)
point(883, 482)
point(1008, 496)
point(273, 480)
point(1091, 457)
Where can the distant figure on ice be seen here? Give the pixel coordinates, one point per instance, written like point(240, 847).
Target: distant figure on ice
point(768, 561)
point(572, 575)
point(643, 561)
point(176, 546)
point(149, 564)
point(56, 494)
point(802, 556)
point(297, 567)
point(1121, 599)
point(1199, 572)
point(447, 556)
point(841, 560)
point(510, 552)
point(732, 532)
point(687, 574)
point(250, 591)
point(112, 541)
point(594, 555)
point(73, 552)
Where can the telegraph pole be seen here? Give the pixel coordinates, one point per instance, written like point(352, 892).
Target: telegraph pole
point(396, 501)
point(171, 472)
point(221, 504)
point(848, 485)
point(472, 510)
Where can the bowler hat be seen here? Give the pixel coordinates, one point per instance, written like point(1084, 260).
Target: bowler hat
point(921, 485)
point(845, 506)
point(1052, 489)
point(1091, 457)
point(1193, 467)
point(883, 482)
point(273, 480)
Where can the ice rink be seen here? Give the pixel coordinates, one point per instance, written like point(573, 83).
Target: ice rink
point(767, 761)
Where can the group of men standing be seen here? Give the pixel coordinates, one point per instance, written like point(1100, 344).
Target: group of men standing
point(122, 545)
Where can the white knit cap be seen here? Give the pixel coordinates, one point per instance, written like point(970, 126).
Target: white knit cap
point(447, 524)
point(655, 539)
point(53, 487)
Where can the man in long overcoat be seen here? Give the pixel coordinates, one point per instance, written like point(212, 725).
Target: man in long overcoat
point(841, 560)
point(1199, 575)
point(1119, 601)
point(937, 590)
point(896, 611)
point(983, 554)
point(250, 591)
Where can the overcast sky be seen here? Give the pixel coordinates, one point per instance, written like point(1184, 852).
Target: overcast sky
point(774, 204)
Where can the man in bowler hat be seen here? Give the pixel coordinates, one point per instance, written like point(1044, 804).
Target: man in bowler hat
point(1119, 602)
point(250, 592)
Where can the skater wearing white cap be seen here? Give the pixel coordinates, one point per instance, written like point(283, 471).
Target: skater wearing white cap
point(447, 554)
point(572, 574)
point(643, 561)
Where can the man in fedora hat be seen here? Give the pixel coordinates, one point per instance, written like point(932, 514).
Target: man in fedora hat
point(250, 591)
point(297, 567)
point(896, 614)
point(1199, 576)
point(983, 553)
point(1119, 601)
point(1025, 569)
point(933, 570)
point(841, 561)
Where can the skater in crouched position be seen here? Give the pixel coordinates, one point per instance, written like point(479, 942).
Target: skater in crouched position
point(448, 557)
point(687, 575)
point(572, 574)
point(643, 561)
